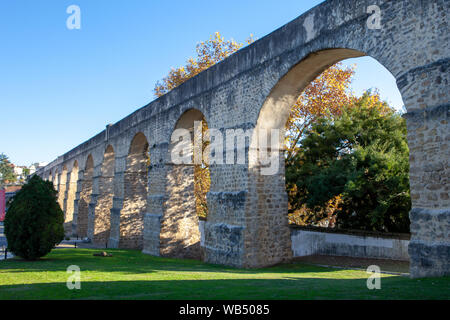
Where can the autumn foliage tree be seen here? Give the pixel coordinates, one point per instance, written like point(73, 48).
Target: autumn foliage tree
point(202, 178)
point(209, 53)
point(362, 157)
point(324, 97)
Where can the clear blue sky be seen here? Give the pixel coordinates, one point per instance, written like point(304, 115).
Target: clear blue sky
point(59, 87)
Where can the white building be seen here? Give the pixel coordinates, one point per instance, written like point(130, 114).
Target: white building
point(22, 172)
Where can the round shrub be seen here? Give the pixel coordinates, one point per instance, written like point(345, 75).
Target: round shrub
point(34, 222)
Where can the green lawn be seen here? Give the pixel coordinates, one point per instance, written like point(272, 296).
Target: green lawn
point(132, 275)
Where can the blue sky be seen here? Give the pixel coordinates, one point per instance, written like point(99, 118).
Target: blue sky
point(59, 87)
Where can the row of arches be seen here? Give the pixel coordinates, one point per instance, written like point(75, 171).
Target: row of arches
point(90, 194)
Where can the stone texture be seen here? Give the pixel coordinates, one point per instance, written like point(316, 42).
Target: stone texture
point(84, 200)
point(180, 234)
point(71, 190)
point(135, 195)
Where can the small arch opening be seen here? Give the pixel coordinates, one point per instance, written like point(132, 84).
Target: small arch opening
point(188, 183)
point(135, 194)
point(102, 224)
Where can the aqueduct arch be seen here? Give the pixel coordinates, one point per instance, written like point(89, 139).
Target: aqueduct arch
point(252, 88)
point(71, 189)
point(180, 234)
point(104, 202)
point(270, 190)
point(85, 198)
point(135, 194)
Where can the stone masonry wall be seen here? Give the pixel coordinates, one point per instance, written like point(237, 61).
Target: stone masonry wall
point(180, 235)
point(429, 136)
point(135, 195)
point(69, 201)
point(103, 210)
point(83, 204)
point(134, 208)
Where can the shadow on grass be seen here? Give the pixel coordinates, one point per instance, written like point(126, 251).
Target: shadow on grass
point(135, 262)
point(235, 289)
point(133, 275)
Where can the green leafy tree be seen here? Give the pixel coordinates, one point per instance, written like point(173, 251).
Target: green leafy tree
point(362, 157)
point(26, 172)
point(34, 222)
point(6, 170)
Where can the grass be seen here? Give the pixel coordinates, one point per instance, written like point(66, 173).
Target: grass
point(132, 275)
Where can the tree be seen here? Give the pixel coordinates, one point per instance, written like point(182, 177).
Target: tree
point(6, 170)
point(26, 172)
point(323, 97)
point(209, 53)
point(202, 178)
point(34, 222)
point(361, 156)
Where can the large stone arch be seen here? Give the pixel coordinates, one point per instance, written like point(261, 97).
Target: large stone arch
point(263, 237)
point(180, 235)
point(85, 198)
point(135, 194)
point(268, 225)
point(103, 206)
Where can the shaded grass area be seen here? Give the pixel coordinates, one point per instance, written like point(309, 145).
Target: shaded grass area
point(386, 266)
point(133, 275)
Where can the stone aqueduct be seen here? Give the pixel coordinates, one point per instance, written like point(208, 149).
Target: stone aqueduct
point(120, 186)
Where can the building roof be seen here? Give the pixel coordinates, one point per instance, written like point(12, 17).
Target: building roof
point(12, 189)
